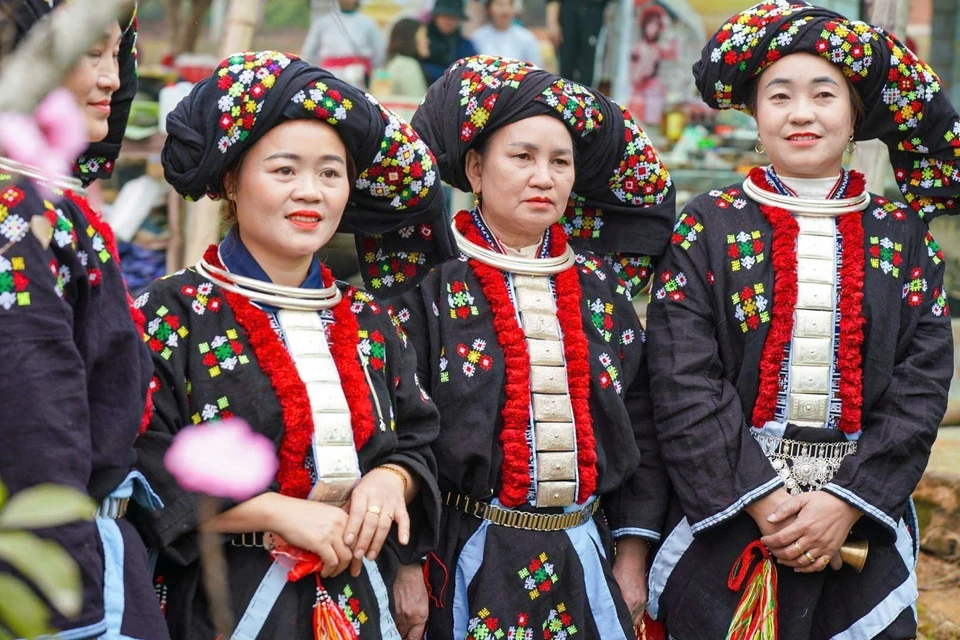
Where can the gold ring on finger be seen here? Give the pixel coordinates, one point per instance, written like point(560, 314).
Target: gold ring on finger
point(796, 545)
point(826, 561)
point(374, 509)
point(809, 557)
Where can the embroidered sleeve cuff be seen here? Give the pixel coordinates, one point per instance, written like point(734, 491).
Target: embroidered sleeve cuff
point(636, 532)
point(874, 513)
point(743, 502)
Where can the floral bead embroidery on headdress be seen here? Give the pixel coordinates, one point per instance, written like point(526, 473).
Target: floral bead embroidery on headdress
point(245, 79)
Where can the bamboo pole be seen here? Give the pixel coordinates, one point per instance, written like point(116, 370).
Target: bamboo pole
point(50, 50)
point(203, 219)
point(871, 157)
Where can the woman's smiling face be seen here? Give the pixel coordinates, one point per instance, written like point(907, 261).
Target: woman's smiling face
point(291, 189)
point(804, 116)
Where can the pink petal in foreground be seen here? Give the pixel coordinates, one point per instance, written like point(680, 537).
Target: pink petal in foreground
point(226, 459)
point(20, 138)
point(62, 123)
point(50, 139)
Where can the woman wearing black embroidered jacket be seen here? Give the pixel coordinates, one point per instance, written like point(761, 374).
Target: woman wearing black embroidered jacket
point(533, 353)
point(75, 369)
point(800, 343)
point(260, 330)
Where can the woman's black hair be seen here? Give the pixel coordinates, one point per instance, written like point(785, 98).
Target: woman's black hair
point(403, 38)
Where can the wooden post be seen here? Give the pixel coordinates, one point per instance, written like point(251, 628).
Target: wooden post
point(871, 157)
point(203, 217)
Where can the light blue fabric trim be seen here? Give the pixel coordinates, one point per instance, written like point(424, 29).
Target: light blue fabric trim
point(94, 630)
point(113, 591)
point(861, 504)
point(570, 508)
point(586, 540)
point(904, 596)
point(672, 549)
point(137, 487)
point(261, 604)
point(739, 505)
point(915, 523)
point(636, 531)
point(467, 566)
point(388, 628)
point(152, 556)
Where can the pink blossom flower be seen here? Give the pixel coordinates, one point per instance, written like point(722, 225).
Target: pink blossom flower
point(50, 139)
point(226, 459)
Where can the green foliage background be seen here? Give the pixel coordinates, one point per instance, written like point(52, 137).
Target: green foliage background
point(276, 14)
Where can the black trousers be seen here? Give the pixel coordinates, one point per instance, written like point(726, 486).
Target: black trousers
point(580, 23)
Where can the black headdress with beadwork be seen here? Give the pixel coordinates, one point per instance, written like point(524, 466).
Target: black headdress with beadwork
point(623, 200)
point(906, 107)
point(397, 188)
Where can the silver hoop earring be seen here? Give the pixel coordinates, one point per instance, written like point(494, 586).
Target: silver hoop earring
point(759, 146)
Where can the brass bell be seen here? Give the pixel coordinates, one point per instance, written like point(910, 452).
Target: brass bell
point(855, 554)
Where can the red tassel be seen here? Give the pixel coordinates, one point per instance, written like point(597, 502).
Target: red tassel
point(329, 621)
point(436, 600)
point(756, 614)
point(650, 629)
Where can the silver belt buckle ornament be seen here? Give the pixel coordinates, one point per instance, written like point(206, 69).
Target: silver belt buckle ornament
point(804, 466)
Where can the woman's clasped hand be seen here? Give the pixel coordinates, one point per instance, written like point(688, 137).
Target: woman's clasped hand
point(805, 531)
point(343, 536)
point(375, 504)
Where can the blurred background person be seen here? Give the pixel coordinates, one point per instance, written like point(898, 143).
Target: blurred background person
point(652, 45)
point(503, 35)
point(409, 44)
point(574, 28)
point(343, 41)
point(447, 43)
